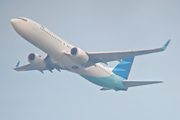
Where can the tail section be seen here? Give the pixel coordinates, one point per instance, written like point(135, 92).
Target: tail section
point(124, 67)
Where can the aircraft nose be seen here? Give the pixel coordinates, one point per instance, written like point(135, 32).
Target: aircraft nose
point(13, 22)
point(17, 25)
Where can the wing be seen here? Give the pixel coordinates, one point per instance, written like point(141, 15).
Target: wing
point(24, 68)
point(50, 65)
point(113, 56)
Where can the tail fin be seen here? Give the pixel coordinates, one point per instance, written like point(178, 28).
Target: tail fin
point(124, 67)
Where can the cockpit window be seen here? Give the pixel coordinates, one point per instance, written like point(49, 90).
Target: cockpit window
point(43, 27)
point(22, 19)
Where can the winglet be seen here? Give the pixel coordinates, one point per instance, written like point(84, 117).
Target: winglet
point(17, 65)
point(166, 45)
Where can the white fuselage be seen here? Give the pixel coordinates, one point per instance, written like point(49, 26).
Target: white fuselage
point(55, 47)
point(59, 50)
point(67, 57)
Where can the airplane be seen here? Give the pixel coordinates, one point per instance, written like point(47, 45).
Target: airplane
point(63, 56)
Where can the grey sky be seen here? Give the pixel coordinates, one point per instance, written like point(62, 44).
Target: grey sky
point(94, 26)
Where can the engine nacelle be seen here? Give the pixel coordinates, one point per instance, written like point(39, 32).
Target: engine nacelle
point(79, 55)
point(37, 61)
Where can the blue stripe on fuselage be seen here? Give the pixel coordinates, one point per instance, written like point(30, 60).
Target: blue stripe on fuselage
point(112, 81)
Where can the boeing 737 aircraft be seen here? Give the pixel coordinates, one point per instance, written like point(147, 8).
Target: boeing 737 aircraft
point(63, 56)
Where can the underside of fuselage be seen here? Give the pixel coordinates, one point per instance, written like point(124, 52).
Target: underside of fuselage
point(112, 82)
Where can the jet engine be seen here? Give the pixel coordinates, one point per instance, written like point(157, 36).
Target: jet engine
point(79, 55)
point(37, 61)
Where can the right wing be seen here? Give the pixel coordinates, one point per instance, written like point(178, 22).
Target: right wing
point(113, 56)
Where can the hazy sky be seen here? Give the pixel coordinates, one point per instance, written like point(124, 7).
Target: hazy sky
point(94, 26)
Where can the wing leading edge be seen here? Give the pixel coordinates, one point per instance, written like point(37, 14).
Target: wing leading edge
point(113, 56)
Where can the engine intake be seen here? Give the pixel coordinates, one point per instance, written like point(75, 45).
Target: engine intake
point(79, 55)
point(31, 57)
point(74, 51)
point(37, 61)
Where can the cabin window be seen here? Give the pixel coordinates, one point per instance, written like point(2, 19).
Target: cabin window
point(23, 19)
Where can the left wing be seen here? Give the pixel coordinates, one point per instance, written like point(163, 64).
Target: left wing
point(113, 56)
point(50, 65)
point(24, 68)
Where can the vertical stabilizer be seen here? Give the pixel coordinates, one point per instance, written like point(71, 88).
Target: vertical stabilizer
point(124, 67)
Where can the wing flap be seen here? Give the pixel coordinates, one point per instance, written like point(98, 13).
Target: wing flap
point(133, 83)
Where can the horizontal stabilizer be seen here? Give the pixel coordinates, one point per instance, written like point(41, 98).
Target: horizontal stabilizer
point(104, 88)
point(132, 83)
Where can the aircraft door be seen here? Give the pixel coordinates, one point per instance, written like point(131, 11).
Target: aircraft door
point(115, 79)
